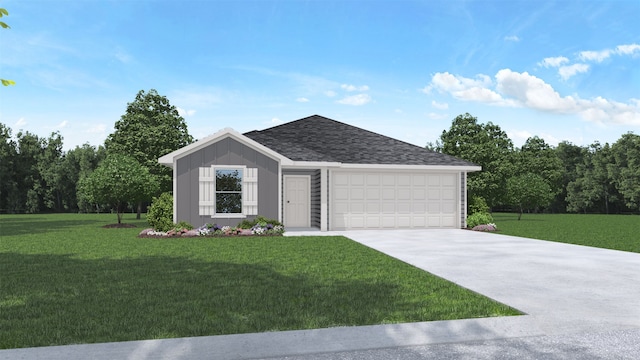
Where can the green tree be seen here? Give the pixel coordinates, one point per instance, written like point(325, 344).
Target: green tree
point(625, 171)
point(4, 12)
point(75, 165)
point(483, 144)
point(119, 179)
point(150, 128)
point(571, 156)
point(528, 192)
point(593, 188)
point(537, 157)
point(8, 180)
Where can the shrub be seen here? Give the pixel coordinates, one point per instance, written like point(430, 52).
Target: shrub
point(259, 220)
point(478, 205)
point(183, 225)
point(160, 213)
point(479, 218)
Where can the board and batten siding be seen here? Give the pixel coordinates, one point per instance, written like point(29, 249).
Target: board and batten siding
point(314, 192)
point(224, 152)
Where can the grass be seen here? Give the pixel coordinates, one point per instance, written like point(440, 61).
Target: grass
point(618, 232)
point(66, 280)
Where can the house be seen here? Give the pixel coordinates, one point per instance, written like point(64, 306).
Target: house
point(317, 173)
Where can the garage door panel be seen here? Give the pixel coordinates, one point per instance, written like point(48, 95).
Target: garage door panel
point(356, 207)
point(373, 179)
point(357, 179)
point(389, 222)
point(373, 208)
point(376, 200)
point(404, 222)
point(341, 193)
point(341, 179)
point(404, 180)
point(373, 193)
point(403, 194)
point(373, 222)
point(388, 207)
point(388, 193)
point(448, 194)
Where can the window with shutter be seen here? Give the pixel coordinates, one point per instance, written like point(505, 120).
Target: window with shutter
point(228, 191)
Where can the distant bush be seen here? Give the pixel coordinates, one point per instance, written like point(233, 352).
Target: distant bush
point(160, 213)
point(479, 218)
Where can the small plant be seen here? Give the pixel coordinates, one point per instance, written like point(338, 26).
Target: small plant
point(478, 218)
point(259, 220)
point(183, 225)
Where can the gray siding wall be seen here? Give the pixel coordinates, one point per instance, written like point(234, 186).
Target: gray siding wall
point(315, 192)
point(225, 152)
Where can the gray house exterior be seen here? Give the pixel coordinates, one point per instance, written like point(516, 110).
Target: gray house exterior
point(317, 173)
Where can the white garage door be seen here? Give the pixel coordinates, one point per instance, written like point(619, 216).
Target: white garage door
point(378, 200)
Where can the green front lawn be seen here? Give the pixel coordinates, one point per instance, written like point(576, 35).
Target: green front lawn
point(65, 280)
point(618, 232)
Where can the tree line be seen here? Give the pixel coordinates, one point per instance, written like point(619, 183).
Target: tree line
point(36, 175)
point(540, 177)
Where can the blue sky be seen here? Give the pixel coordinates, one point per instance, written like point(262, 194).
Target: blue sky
point(564, 70)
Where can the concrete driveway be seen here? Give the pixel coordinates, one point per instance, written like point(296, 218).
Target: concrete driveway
point(581, 303)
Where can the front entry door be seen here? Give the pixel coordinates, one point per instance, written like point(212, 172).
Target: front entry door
point(296, 200)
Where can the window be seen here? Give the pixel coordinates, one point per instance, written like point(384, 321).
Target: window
point(228, 191)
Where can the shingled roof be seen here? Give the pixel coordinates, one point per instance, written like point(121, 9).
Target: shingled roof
point(317, 138)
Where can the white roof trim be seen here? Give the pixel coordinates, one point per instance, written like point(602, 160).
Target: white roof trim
point(338, 165)
point(170, 158)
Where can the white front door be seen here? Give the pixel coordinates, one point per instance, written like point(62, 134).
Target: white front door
point(297, 200)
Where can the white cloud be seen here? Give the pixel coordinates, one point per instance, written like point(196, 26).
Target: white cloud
point(398, 111)
point(20, 122)
point(122, 56)
point(522, 89)
point(427, 89)
point(302, 100)
point(356, 100)
point(62, 125)
point(436, 116)
point(553, 61)
point(276, 121)
point(183, 112)
point(630, 49)
point(566, 72)
point(467, 89)
point(513, 38)
point(439, 106)
point(447, 82)
point(330, 93)
point(597, 56)
point(354, 87)
point(97, 129)
point(519, 136)
point(532, 92)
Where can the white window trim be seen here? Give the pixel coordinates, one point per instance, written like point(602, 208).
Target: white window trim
point(239, 215)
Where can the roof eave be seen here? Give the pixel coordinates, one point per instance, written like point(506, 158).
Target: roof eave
point(339, 165)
